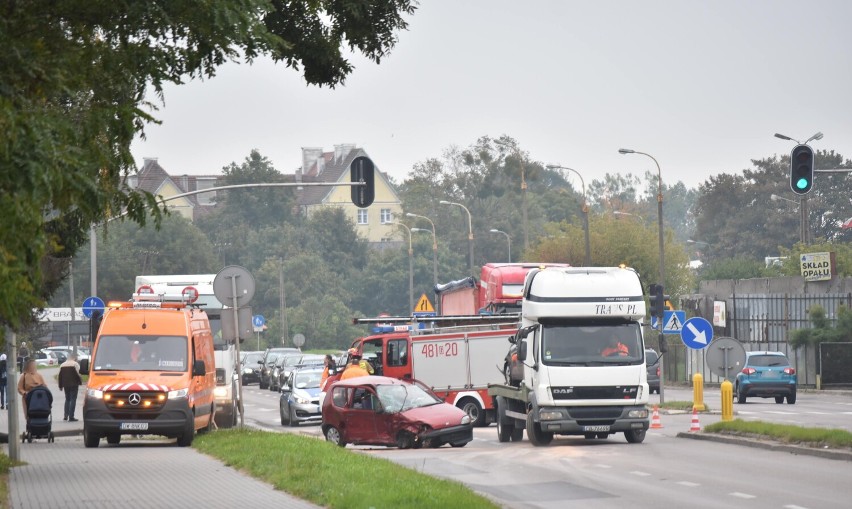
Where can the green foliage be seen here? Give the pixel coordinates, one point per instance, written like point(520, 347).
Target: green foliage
point(298, 465)
point(823, 331)
point(734, 268)
point(842, 253)
point(787, 433)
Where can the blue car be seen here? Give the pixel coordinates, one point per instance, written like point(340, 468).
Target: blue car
point(766, 375)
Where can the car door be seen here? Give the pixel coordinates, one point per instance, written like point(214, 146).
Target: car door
point(360, 417)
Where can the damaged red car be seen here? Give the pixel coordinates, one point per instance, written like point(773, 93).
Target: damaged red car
point(376, 410)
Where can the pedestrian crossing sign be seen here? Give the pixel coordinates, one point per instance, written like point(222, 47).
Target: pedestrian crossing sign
point(673, 321)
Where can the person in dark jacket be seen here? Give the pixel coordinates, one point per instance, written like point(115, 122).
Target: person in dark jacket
point(70, 382)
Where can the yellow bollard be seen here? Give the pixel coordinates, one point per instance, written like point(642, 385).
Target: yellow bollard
point(727, 401)
point(698, 392)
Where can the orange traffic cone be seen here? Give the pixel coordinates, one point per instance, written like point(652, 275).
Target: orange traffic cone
point(655, 419)
point(695, 426)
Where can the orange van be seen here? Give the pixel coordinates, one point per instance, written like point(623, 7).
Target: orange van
point(151, 372)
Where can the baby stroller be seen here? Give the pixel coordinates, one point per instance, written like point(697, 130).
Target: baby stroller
point(39, 420)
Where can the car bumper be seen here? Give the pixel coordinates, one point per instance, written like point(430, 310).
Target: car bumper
point(767, 389)
point(309, 412)
point(582, 420)
point(453, 435)
point(171, 420)
point(251, 378)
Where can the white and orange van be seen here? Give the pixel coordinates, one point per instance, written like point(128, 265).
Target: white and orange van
point(151, 372)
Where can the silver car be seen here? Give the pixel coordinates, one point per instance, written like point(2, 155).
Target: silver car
point(299, 401)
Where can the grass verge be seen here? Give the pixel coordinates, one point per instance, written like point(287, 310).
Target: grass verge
point(5, 465)
point(788, 434)
point(329, 476)
point(681, 405)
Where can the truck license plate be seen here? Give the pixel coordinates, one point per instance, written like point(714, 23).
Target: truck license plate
point(595, 428)
point(134, 426)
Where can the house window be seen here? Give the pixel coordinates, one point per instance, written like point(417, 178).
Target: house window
point(362, 216)
point(386, 216)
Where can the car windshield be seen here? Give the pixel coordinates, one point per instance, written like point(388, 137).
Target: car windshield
point(141, 353)
point(307, 380)
point(252, 358)
point(591, 343)
point(399, 398)
point(768, 360)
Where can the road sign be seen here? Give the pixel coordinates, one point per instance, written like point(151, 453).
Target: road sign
point(673, 321)
point(299, 340)
point(190, 294)
point(697, 333)
point(655, 324)
point(423, 305)
point(258, 321)
point(230, 278)
point(92, 304)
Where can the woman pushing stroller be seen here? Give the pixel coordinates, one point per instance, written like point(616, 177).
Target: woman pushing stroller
point(30, 379)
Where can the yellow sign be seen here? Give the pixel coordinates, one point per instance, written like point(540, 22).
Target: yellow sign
point(816, 266)
point(423, 305)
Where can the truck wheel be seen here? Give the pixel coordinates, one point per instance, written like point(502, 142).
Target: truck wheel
point(517, 434)
point(635, 436)
point(505, 425)
point(473, 409)
point(535, 434)
point(90, 439)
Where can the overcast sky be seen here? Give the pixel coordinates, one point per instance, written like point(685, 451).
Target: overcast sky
point(702, 86)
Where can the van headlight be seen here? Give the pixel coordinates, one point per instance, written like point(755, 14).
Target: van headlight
point(465, 419)
point(221, 392)
point(94, 394)
point(180, 393)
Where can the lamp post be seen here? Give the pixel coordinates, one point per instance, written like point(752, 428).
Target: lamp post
point(508, 239)
point(803, 229)
point(410, 269)
point(434, 244)
point(588, 261)
point(523, 189)
point(662, 264)
point(469, 226)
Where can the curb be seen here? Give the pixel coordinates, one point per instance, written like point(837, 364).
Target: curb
point(833, 454)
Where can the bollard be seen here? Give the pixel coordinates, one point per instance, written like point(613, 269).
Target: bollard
point(698, 392)
point(727, 401)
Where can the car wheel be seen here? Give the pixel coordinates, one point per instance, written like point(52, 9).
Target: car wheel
point(779, 399)
point(458, 444)
point(291, 418)
point(791, 399)
point(113, 439)
point(185, 440)
point(741, 398)
point(536, 436)
point(90, 439)
point(635, 436)
point(404, 440)
point(281, 411)
point(334, 436)
point(474, 410)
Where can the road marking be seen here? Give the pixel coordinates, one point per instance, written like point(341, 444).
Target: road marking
point(781, 413)
point(746, 412)
point(741, 495)
point(819, 413)
point(791, 506)
point(688, 484)
point(640, 473)
point(601, 465)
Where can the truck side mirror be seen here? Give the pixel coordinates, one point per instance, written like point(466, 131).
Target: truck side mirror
point(84, 367)
point(522, 351)
point(198, 368)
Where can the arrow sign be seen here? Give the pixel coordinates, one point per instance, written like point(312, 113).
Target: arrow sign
point(92, 304)
point(697, 333)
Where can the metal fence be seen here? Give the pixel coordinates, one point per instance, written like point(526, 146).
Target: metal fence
point(835, 360)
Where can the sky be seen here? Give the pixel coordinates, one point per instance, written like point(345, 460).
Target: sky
point(701, 86)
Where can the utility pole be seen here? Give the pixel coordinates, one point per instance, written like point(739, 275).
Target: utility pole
point(283, 303)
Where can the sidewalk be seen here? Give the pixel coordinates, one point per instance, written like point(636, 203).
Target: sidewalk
point(60, 428)
point(143, 473)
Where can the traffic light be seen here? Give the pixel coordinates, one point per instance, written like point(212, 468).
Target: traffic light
point(657, 301)
point(362, 169)
point(802, 169)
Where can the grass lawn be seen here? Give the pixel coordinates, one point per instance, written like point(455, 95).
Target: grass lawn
point(330, 476)
point(681, 405)
point(812, 437)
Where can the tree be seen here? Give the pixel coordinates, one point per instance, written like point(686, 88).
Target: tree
point(75, 77)
point(823, 331)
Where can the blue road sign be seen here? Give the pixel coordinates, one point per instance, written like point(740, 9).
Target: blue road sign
point(655, 324)
point(673, 321)
point(697, 333)
point(92, 304)
point(258, 321)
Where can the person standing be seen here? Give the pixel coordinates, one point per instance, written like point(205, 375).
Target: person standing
point(70, 382)
point(30, 378)
point(354, 368)
point(3, 381)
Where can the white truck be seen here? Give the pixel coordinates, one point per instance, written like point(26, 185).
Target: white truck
point(200, 286)
point(577, 363)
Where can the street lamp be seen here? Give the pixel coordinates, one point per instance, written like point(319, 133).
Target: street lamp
point(434, 244)
point(803, 230)
point(662, 264)
point(508, 239)
point(410, 269)
point(523, 189)
point(588, 261)
point(637, 216)
point(469, 226)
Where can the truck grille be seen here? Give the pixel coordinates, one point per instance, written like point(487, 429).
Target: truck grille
point(600, 392)
point(135, 401)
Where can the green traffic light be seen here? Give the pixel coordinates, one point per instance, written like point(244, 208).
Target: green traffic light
point(802, 183)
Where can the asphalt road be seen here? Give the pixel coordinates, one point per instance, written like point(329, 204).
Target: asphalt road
point(664, 471)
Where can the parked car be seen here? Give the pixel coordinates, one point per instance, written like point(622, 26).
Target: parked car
point(290, 364)
point(377, 410)
point(46, 358)
point(653, 365)
point(65, 351)
point(766, 375)
point(283, 365)
point(299, 401)
point(251, 367)
point(268, 361)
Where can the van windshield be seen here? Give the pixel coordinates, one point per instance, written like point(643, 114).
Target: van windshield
point(592, 344)
point(141, 353)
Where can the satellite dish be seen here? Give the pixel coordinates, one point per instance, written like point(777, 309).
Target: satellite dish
point(725, 357)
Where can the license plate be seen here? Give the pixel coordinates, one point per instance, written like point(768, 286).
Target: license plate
point(771, 374)
point(595, 428)
point(134, 426)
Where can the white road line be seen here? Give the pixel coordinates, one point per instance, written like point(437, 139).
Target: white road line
point(819, 413)
point(688, 484)
point(601, 465)
point(791, 506)
point(781, 413)
point(741, 495)
point(640, 473)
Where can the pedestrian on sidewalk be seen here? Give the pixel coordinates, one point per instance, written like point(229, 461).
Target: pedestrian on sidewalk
point(70, 382)
point(3, 381)
point(30, 378)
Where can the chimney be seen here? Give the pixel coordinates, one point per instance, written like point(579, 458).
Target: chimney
point(310, 155)
point(342, 150)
